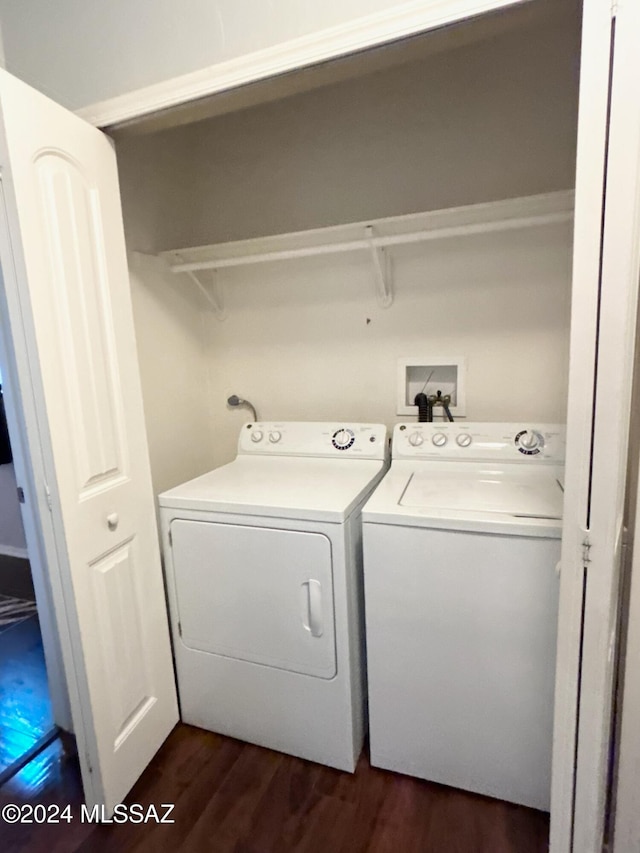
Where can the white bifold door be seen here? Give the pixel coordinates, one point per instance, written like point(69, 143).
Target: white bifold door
point(67, 289)
point(606, 266)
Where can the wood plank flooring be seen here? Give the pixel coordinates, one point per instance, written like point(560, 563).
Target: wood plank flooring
point(232, 797)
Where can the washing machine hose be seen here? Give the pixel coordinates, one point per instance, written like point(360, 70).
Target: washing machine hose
point(425, 409)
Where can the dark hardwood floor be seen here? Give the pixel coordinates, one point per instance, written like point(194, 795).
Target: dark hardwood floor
point(231, 796)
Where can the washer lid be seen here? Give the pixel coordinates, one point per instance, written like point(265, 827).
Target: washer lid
point(280, 487)
point(531, 494)
point(511, 499)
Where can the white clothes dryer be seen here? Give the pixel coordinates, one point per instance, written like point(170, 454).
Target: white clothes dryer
point(263, 562)
point(461, 547)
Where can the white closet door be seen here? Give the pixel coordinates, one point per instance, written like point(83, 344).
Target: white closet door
point(63, 249)
point(605, 296)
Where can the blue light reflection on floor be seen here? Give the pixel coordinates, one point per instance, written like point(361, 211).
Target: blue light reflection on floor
point(35, 776)
point(23, 710)
point(25, 706)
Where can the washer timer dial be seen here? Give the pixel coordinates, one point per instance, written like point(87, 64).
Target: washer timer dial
point(343, 438)
point(529, 441)
point(463, 439)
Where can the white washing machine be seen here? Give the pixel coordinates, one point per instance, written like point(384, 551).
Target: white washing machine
point(263, 561)
point(461, 546)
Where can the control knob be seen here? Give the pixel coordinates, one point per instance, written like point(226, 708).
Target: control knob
point(416, 439)
point(463, 439)
point(529, 441)
point(342, 439)
point(439, 439)
point(256, 436)
point(275, 436)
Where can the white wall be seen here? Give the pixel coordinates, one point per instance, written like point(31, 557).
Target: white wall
point(310, 343)
point(79, 52)
point(174, 367)
point(12, 539)
point(307, 341)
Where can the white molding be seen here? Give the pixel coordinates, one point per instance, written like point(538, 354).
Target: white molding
point(12, 551)
point(365, 32)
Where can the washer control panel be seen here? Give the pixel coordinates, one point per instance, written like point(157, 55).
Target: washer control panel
point(480, 442)
point(294, 438)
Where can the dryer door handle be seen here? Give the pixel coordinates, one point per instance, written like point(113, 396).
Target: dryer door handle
point(312, 607)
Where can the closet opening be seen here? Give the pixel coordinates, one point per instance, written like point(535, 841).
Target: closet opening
point(30, 745)
point(293, 248)
point(248, 217)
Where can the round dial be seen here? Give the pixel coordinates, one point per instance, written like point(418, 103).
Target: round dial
point(256, 435)
point(342, 439)
point(275, 436)
point(463, 439)
point(416, 439)
point(529, 441)
point(439, 439)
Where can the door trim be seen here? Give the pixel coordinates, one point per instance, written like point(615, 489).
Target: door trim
point(332, 43)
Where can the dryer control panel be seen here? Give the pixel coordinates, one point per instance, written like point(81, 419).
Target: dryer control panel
point(480, 442)
point(315, 439)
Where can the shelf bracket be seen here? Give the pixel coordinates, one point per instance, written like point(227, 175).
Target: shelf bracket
point(381, 269)
point(211, 292)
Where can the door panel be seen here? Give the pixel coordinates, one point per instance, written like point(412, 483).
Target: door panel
point(75, 253)
point(256, 594)
point(587, 237)
point(620, 270)
point(120, 613)
point(65, 253)
point(605, 294)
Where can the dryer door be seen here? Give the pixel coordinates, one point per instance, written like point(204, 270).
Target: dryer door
point(256, 594)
